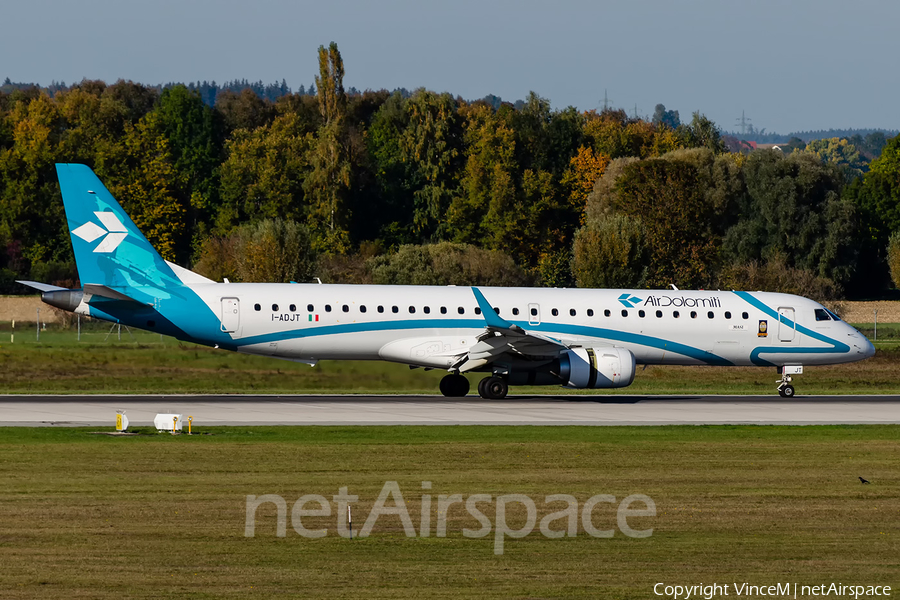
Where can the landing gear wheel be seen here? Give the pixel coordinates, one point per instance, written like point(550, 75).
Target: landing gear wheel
point(454, 386)
point(493, 388)
point(785, 389)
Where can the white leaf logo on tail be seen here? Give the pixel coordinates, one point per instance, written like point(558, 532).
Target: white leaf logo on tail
point(112, 228)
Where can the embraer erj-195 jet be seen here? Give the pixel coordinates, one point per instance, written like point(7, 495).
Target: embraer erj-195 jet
point(578, 338)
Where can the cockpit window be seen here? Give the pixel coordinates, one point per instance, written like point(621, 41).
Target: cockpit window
point(822, 315)
point(833, 316)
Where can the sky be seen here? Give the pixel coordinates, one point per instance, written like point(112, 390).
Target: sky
point(790, 65)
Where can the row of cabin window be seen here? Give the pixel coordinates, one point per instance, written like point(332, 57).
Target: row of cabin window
point(362, 309)
point(515, 311)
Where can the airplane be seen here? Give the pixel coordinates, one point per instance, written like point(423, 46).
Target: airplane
point(576, 338)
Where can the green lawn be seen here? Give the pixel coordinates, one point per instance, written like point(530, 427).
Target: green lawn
point(161, 516)
point(145, 363)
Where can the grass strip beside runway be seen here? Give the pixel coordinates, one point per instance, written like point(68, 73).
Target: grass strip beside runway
point(155, 515)
point(147, 364)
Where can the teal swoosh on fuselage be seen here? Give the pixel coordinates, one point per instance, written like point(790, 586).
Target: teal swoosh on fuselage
point(836, 346)
point(549, 329)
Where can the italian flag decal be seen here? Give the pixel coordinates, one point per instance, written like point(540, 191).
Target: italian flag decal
point(311, 317)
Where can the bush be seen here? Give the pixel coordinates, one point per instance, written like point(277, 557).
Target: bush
point(610, 254)
point(776, 276)
point(447, 264)
point(893, 258)
point(272, 250)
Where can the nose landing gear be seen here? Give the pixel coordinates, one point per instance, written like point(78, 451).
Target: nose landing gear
point(785, 388)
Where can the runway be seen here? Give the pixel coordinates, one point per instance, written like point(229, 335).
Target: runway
point(436, 410)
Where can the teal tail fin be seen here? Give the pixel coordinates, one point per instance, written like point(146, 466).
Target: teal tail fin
point(110, 250)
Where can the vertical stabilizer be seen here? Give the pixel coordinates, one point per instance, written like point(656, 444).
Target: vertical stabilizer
point(109, 249)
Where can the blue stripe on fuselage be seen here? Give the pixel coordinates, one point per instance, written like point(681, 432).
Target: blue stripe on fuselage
point(555, 328)
point(836, 346)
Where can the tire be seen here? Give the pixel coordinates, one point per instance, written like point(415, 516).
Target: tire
point(462, 386)
point(454, 386)
point(787, 391)
point(496, 388)
point(481, 387)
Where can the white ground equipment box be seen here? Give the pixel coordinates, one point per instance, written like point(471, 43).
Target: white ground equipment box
point(167, 422)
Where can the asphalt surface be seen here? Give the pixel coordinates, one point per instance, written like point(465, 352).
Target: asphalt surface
point(436, 410)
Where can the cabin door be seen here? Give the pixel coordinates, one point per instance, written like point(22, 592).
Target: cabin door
point(786, 324)
point(231, 315)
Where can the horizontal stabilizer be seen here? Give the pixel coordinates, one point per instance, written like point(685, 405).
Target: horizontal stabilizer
point(107, 292)
point(41, 287)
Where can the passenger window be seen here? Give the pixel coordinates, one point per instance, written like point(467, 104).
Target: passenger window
point(477, 311)
point(642, 314)
point(443, 310)
point(345, 308)
point(274, 308)
point(292, 307)
point(327, 308)
point(745, 316)
point(533, 312)
point(362, 308)
point(426, 310)
point(461, 310)
point(380, 309)
point(822, 315)
point(710, 314)
point(676, 314)
point(727, 315)
point(659, 314)
point(693, 314)
point(412, 309)
point(496, 310)
point(394, 309)
point(571, 312)
point(310, 307)
point(590, 312)
point(606, 313)
point(257, 307)
point(516, 311)
point(554, 312)
point(624, 313)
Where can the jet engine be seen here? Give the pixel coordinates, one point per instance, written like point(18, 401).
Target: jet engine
point(597, 368)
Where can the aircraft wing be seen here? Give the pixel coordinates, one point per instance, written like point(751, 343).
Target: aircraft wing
point(502, 338)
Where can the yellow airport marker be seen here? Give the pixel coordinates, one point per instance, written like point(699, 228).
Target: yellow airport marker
point(174, 423)
point(190, 421)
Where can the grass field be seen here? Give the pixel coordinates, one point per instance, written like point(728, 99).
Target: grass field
point(160, 516)
point(145, 363)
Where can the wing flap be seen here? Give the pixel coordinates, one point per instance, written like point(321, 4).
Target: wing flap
point(502, 338)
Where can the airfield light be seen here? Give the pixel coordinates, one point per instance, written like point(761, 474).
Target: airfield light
point(190, 422)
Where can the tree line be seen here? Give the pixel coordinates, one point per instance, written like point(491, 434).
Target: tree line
point(425, 187)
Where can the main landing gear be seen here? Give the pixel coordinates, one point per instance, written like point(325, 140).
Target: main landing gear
point(490, 388)
point(493, 388)
point(454, 386)
point(785, 388)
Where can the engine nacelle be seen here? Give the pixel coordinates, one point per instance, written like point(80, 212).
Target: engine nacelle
point(597, 368)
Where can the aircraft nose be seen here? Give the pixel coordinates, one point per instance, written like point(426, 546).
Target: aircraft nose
point(868, 349)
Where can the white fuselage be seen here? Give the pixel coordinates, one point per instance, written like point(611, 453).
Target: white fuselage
point(431, 326)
